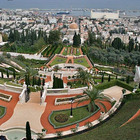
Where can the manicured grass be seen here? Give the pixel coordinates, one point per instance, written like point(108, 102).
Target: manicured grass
point(13, 84)
point(65, 51)
point(2, 81)
point(77, 52)
point(111, 129)
point(82, 61)
point(58, 60)
point(2, 111)
point(78, 114)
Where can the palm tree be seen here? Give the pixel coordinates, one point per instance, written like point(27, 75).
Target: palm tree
point(93, 95)
point(84, 77)
point(79, 69)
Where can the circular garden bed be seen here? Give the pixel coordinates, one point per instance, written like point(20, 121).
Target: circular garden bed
point(61, 118)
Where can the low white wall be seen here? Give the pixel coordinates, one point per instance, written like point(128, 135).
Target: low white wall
point(12, 88)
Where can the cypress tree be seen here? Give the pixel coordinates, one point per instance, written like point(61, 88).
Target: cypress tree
point(28, 131)
point(128, 79)
point(7, 74)
point(1, 74)
point(102, 78)
point(14, 74)
point(39, 81)
point(109, 78)
point(28, 79)
point(43, 82)
point(33, 82)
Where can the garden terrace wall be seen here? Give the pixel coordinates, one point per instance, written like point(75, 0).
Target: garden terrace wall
point(13, 88)
point(68, 101)
point(65, 91)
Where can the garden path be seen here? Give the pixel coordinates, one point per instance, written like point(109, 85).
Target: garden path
point(30, 111)
point(62, 50)
point(70, 58)
point(81, 51)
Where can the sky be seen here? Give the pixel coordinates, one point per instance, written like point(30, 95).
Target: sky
point(50, 4)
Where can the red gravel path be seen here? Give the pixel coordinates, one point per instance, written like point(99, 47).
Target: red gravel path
point(10, 105)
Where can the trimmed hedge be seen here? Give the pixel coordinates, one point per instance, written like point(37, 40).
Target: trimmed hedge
point(113, 83)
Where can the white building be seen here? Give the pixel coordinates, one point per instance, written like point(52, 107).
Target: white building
point(104, 15)
point(137, 75)
point(1, 38)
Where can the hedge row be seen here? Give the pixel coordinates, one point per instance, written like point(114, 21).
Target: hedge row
point(113, 83)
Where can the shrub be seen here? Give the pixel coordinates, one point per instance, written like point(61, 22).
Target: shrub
point(88, 124)
point(58, 133)
point(113, 83)
point(73, 130)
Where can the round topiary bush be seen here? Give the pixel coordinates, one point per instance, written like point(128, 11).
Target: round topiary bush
point(61, 118)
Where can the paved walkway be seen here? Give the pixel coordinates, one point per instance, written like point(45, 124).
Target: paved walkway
point(30, 111)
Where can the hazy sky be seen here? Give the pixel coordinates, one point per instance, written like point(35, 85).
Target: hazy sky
point(49, 4)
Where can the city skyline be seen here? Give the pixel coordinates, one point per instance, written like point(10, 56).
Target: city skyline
point(50, 4)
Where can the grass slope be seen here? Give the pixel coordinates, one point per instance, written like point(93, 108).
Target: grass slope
point(111, 129)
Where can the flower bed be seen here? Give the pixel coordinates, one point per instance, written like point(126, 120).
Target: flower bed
point(5, 97)
point(61, 118)
point(59, 101)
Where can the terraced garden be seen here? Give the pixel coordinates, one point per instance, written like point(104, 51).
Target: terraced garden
point(81, 61)
point(58, 60)
point(54, 49)
point(111, 129)
point(73, 51)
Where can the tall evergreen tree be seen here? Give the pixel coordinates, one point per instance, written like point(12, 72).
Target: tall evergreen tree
point(43, 82)
point(109, 78)
point(33, 82)
point(2, 74)
point(102, 78)
point(39, 81)
point(28, 131)
point(7, 74)
point(14, 74)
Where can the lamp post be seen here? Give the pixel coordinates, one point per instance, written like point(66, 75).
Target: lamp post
point(72, 100)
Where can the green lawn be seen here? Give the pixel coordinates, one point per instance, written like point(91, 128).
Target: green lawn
point(78, 114)
point(13, 84)
point(2, 81)
point(58, 60)
point(77, 52)
point(2, 111)
point(82, 61)
point(111, 129)
point(65, 51)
